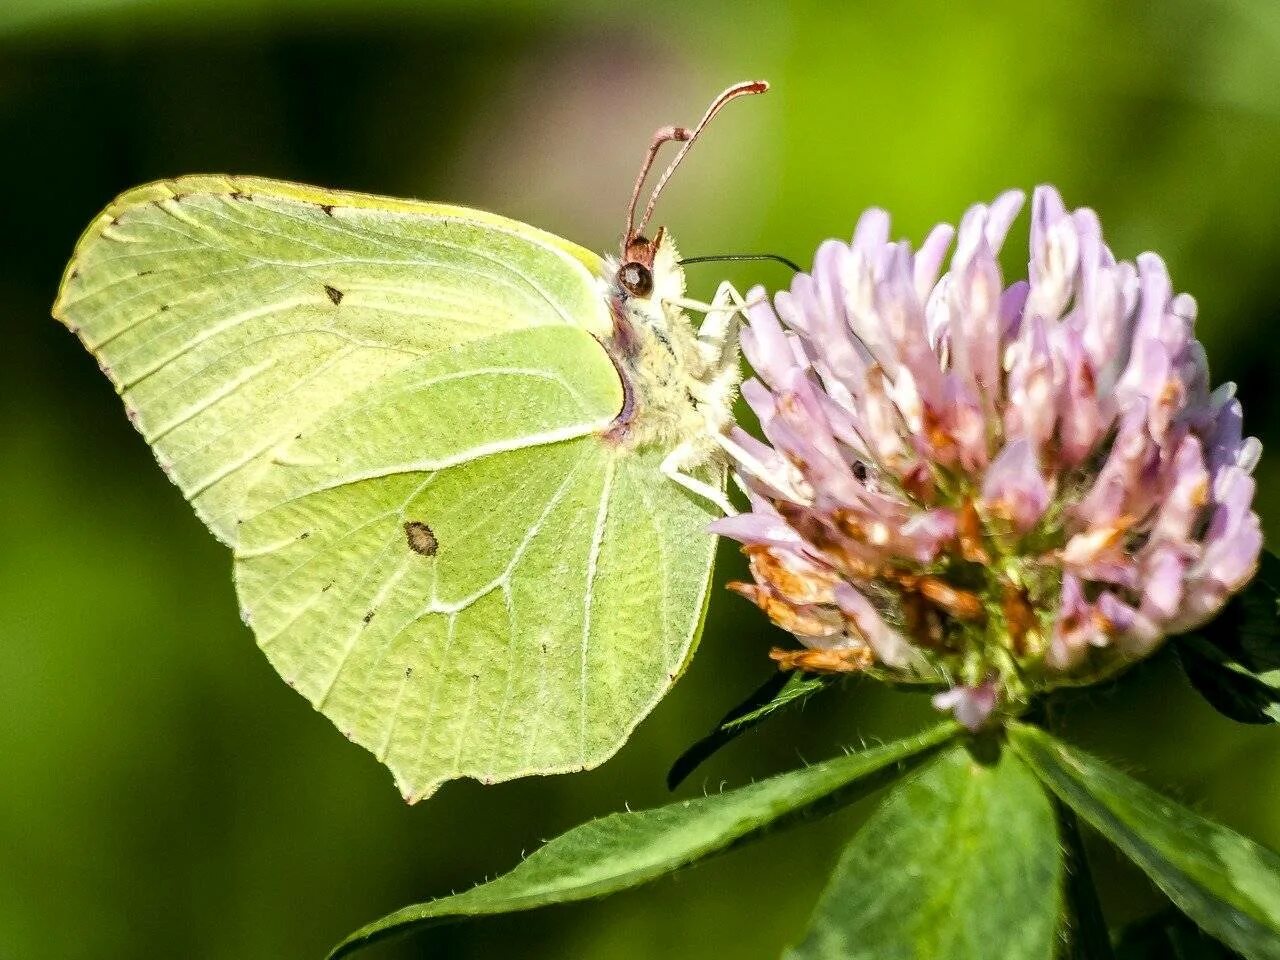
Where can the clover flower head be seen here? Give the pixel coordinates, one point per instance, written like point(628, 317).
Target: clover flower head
point(994, 489)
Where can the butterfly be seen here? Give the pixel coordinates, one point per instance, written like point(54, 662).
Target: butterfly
point(465, 466)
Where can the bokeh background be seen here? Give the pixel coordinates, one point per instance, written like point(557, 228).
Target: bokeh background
point(161, 792)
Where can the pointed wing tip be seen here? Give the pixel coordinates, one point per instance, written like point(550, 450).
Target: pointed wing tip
point(413, 794)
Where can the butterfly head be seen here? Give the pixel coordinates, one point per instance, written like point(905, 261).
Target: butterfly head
point(650, 269)
point(635, 270)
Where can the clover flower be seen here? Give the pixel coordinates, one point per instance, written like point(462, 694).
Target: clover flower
point(993, 489)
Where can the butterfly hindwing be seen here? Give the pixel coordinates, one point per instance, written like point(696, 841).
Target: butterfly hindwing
point(443, 656)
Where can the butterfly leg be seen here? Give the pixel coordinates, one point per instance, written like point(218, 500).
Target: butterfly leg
point(717, 343)
point(718, 335)
point(694, 306)
point(781, 476)
point(725, 294)
point(673, 468)
point(720, 352)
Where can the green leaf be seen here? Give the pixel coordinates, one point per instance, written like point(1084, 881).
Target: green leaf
point(1170, 935)
point(624, 850)
point(780, 690)
point(1232, 688)
point(960, 857)
point(1226, 883)
point(798, 688)
point(1234, 661)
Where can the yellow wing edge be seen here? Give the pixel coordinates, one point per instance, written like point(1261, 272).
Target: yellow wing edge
point(226, 185)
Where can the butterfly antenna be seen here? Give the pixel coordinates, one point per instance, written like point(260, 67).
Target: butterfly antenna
point(662, 136)
point(720, 257)
point(682, 135)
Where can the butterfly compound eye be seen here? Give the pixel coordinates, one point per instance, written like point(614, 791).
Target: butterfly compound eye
point(636, 279)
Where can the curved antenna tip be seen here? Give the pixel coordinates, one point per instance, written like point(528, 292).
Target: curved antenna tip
point(686, 138)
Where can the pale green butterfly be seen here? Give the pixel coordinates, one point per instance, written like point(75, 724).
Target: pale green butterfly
point(439, 443)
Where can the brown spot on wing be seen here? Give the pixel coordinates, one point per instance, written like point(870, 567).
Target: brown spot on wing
point(422, 539)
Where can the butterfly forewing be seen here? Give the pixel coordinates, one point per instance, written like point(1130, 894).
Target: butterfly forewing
point(229, 313)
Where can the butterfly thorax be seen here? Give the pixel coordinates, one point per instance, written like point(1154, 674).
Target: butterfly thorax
point(680, 386)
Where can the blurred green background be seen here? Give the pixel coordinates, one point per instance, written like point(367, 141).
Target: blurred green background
point(161, 792)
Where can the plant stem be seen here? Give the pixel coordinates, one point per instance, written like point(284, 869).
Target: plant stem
point(1085, 929)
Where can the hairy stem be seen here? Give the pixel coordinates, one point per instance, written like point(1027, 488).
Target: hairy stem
point(1085, 928)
